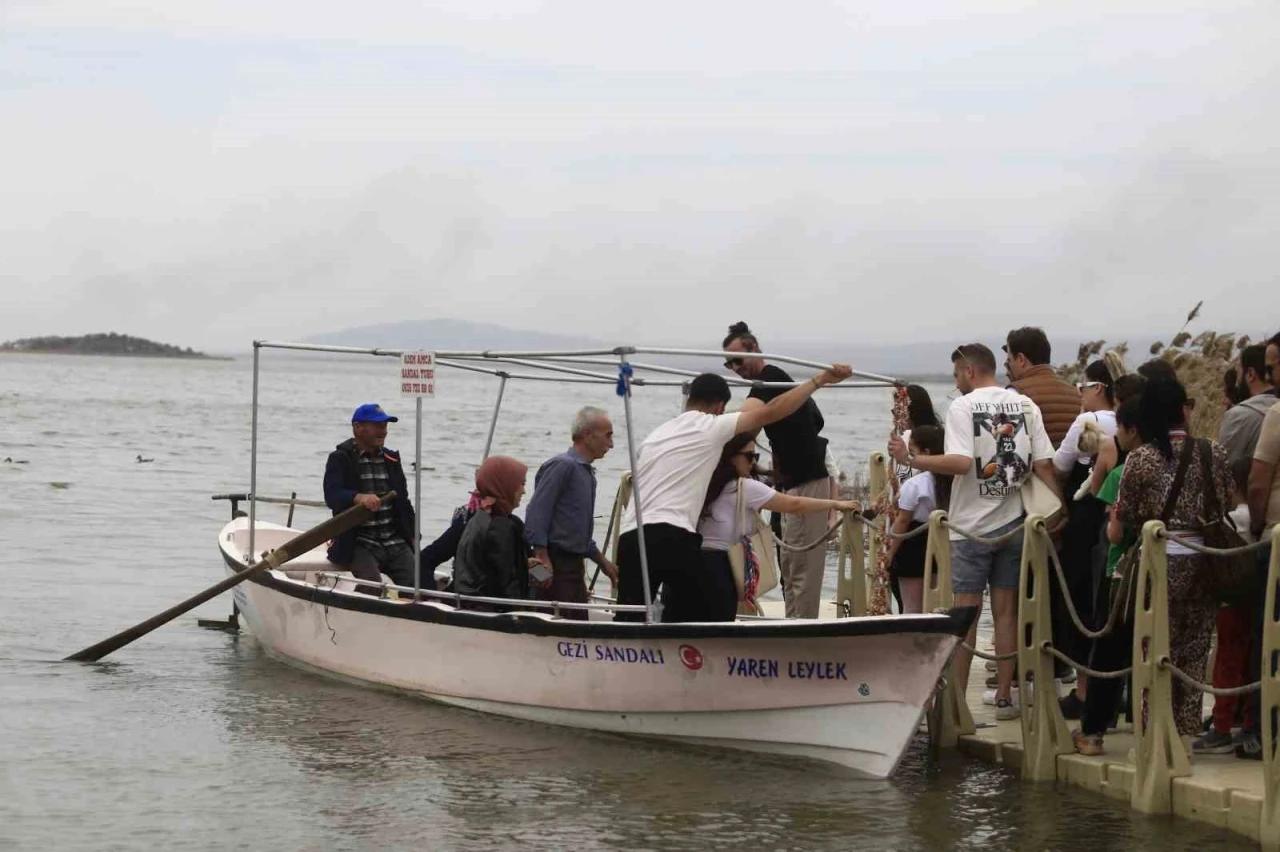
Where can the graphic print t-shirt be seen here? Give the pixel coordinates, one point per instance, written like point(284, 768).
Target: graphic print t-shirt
point(1003, 432)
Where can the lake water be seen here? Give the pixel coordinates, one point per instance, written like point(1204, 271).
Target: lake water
point(195, 739)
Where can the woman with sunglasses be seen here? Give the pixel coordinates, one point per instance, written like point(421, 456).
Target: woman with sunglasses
point(720, 527)
point(1085, 518)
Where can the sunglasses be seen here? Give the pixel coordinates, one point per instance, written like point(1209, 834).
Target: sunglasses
point(1083, 386)
point(753, 457)
point(732, 363)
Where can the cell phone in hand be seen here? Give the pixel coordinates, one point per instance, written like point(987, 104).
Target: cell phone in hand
point(540, 573)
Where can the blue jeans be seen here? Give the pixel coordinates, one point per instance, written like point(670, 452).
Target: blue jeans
point(974, 565)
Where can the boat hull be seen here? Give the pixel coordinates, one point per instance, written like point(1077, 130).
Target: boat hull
point(850, 692)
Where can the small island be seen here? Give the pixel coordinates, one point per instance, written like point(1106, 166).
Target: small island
point(99, 344)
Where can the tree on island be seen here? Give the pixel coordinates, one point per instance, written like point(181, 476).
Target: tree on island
point(99, 344)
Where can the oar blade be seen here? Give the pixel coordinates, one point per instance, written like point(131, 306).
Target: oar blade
point(293, 548)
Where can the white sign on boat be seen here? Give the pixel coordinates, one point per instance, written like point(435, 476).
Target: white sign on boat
point(418, 374)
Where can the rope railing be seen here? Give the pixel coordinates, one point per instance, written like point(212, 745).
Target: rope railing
point(1117, 603)
point(923, 529)
point(1198, 547)
point(983, 655)
point(1219, 691)
point(823, 539)
point(1081, 667)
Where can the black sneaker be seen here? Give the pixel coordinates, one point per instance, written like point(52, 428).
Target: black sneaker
point(1249, 747)
point(1215, 743)
point(1072, 706)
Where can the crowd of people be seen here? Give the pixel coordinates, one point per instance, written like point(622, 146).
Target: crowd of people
point(1113, 448)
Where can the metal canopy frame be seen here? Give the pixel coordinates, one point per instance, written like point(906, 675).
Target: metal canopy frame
point(555, 367)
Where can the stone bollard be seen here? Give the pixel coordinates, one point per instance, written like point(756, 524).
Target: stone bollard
point(1158, 753)
point(1044, 731)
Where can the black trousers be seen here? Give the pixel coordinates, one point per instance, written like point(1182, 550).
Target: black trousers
point(716, 587)
point(1110, 653)
point(675, 562)
point(1079, 541)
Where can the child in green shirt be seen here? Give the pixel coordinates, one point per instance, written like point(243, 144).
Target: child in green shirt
point(1120, 536)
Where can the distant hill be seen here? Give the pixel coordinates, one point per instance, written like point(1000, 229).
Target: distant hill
point(449, 334)
point(99, 344)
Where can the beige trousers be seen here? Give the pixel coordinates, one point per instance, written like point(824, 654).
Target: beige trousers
point(802, 572)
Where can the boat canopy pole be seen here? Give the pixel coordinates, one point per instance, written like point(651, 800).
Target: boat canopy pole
point(417, 498)
point(785, 359)
point(253, 452)
point(579, 355)
point(624, 389)
point(493, 424)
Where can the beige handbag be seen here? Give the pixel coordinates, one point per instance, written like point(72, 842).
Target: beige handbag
point(1037, 497)
point(762, 547)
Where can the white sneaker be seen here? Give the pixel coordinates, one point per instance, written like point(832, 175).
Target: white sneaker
point(989, 696)
point(1007, 711)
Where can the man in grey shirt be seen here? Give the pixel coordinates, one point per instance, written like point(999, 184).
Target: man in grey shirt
point(1242, 423)
point(560, 517)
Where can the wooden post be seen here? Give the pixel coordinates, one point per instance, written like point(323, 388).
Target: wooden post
point(1044, 731)
point(955, 719)
point(1158, 753)
point(851, 571)
point(878, 474)
point(1269, 829)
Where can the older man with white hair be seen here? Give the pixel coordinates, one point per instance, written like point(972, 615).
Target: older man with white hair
point(560, 517)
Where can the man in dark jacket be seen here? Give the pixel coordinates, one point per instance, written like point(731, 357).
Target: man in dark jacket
point(358, 470)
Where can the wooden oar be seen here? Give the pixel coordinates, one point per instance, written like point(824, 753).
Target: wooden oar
point(293, 548)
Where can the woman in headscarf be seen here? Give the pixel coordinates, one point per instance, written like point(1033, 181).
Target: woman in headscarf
point(492, 559)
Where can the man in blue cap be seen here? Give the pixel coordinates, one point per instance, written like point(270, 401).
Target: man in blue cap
point(358, 470)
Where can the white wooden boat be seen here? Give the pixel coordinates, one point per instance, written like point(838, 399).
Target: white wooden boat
point(850, 691)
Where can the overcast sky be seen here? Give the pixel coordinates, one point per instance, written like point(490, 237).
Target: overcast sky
point(209, 172)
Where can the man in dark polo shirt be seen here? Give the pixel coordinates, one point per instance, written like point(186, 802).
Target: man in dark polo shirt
point(559, 520)
point(358, 470)
point(799, 467)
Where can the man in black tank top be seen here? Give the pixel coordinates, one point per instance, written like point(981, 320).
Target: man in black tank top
point(800, 468)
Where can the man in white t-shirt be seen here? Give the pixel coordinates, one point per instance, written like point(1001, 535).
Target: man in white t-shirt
point(673, 468)
point(995, 440)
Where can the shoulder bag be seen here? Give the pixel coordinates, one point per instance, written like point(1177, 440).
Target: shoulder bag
point(1231, 577)
point(1037, 497)
point(753, 556)
point(1127, 570)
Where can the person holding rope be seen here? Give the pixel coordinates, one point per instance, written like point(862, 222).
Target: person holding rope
point(799, 468)
point(721, 526)
point(995, 439)
point(673, 470)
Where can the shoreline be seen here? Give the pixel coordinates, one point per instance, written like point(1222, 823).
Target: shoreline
point(156, 356)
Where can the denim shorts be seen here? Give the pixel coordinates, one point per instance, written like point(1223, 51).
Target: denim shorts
point(975, 565)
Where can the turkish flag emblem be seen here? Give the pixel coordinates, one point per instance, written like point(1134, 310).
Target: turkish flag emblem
point(691, 657)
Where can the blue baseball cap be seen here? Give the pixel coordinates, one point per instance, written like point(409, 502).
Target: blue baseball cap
point(371, 412)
